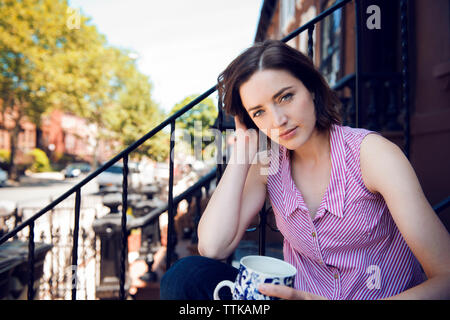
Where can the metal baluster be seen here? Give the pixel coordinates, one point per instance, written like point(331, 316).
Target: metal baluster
point(85, 255)
point(16, 220)
point(56, 264)
point(357, 64)
point(405, 71)
point(262, 231)
point(311, 42)
point(218, 139)
point(52, 252)
point(170, 211)
point(76, 229)
point(31, 262)
point(124, 227)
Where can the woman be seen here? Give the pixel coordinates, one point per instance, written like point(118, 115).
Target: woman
point(355, 221)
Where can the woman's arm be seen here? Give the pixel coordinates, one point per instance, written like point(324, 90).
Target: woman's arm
point(238, 197)
point(387, 171)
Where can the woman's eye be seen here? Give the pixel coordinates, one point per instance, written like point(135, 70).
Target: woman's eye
point(286, 97)
point(257, 113)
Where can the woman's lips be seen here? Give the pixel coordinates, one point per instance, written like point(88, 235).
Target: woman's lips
point(288, 134)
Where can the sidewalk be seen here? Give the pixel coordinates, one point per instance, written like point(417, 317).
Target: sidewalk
point(36, 179)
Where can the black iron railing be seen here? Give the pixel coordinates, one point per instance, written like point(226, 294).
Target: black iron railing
point(170, 121)
point(123, 155)
point(193, 191)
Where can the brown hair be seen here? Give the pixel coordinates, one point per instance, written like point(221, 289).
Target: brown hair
point(274, 54)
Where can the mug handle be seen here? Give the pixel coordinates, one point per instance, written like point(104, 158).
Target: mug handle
point(220, 285)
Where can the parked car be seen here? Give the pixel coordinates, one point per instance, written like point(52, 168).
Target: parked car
point(113, 176)
point(3, 177)
point(73, 170)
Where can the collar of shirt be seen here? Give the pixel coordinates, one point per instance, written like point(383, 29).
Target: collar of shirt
point(333, 200)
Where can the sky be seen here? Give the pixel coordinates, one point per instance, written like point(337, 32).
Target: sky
point(182, 45)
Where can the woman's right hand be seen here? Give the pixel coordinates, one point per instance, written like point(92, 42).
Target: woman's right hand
point(246, 143)
point(239, 196)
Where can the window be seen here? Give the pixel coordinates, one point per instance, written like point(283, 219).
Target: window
point(287, 14)
point(330, 53)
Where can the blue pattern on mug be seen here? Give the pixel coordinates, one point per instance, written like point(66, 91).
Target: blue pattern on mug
point(247, 282)
point(254, 270)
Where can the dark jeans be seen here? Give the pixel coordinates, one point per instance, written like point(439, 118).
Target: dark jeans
point(195, 278)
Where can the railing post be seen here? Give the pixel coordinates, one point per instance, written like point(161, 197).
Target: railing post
point(17, 218)
point(311, 43)
point(405, 71)
point(218, 140)
point(75, 243)
point(357, 64)
point(124, 248)
point(262, 231)
point(30, 294)
point(170, 211)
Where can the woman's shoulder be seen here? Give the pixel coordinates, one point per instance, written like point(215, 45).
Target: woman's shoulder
point(375, 152)
point(353, 135)
point(375, 146)
point(352, 138)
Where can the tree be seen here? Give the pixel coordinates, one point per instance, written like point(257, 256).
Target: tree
point(38, 62)
point(132, 113)
point(45, 64)
point(197, 121)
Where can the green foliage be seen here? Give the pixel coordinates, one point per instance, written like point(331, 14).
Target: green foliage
point(132, 113)
point(40, 161)
point(4, 155)
point(47, 63)
point(41, 58)
point(198, 120)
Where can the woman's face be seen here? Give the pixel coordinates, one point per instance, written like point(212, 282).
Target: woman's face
point(281, 107)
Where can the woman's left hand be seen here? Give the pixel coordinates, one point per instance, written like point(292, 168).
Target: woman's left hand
point(287, 293)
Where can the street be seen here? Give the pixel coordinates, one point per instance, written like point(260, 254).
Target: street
point(34, 191)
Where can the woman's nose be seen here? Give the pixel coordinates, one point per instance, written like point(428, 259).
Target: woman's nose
point(279, 118)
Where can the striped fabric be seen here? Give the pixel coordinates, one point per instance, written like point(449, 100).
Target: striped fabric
point(352, 248)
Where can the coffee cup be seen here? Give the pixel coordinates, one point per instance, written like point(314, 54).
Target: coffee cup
point(254, 270)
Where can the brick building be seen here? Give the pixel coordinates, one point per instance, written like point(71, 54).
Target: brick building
point(61, 134)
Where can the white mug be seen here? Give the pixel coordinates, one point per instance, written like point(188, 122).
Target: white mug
point(254, 270)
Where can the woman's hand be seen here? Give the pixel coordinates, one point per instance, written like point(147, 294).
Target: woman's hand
point(287, 293)
point(246, 143)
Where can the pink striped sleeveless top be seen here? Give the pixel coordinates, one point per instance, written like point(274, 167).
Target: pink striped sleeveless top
point(352, 248)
